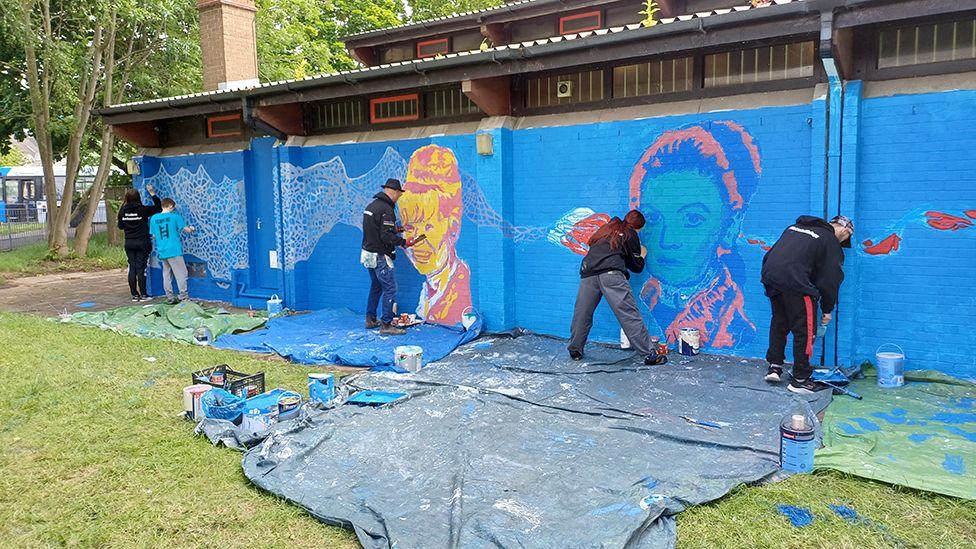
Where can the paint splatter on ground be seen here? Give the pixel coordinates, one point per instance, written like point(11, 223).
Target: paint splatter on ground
point(845, 512)
point(799, 516)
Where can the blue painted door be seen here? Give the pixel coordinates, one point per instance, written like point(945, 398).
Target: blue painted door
point(264, 263)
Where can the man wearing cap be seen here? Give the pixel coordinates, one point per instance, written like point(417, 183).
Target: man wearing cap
point(803, 267)
point(380, 239)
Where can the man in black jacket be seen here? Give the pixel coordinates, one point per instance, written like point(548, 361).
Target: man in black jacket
point(803, 267)
point(380, 239)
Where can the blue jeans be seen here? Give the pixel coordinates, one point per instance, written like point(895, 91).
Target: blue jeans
point(382, 283)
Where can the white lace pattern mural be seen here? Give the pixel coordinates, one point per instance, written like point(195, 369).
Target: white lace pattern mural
point(217, 212)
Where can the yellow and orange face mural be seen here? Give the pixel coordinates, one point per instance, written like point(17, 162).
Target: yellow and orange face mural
point(431, 205)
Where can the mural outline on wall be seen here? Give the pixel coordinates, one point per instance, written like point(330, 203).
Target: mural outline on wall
point(432, 205)
point(927, 216)
point(217, 211)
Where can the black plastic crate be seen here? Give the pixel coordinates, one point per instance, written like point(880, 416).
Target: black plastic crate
point(238, 383)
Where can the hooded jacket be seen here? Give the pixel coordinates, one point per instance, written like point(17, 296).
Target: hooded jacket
point(379, 227)
point(601, 258)
point(134, 221)
point(807, 259)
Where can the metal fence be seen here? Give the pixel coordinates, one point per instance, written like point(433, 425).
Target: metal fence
point(23, 224)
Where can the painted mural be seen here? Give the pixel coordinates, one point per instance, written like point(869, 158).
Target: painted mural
point(936, 220)
point(215, 209)
point(432, 206)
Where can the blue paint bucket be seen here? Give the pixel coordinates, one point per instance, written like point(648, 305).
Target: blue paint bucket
point(689, 341)
point(321, 387)
point(288, 406)
point(891, 367)
point(274, 306)
point(797, 441)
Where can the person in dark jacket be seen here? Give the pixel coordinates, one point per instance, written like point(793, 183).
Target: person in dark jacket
point(380, 240)
point(134, 221)
point(614, 252)
point(803, 267)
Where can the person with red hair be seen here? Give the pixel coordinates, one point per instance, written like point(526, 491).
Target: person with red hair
point(614, 252)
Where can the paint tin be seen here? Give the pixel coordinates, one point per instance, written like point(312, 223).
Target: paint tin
point(891, 367)
point(288, 406)
point(256, 421)
point(408, 357)
point(321, 387)
point(202, 336)
point(688, 341)
point(797, 441)
point(624, 342)
point(217, 378)
point(192, 405)
point(274, 306)
point(662, 348)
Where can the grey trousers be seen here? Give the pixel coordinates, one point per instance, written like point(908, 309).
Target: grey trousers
point(616, 288)
point(177, 267)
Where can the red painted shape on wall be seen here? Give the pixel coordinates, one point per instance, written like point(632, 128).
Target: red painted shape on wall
point(578, 238)
point(947, 222)
point(971, 213)
point(885, 247)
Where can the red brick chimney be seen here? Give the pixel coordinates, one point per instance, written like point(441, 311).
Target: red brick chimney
point(228, 40)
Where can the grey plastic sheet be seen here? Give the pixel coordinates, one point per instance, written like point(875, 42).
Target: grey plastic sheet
point(511, 444)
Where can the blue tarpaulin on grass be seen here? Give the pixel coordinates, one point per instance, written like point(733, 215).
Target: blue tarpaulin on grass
point(337, 336)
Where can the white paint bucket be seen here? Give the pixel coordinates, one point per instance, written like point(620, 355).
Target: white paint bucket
point(192, 406)
point(689, 341)
point(321, 387)
point(256, 421)
point(408, 357)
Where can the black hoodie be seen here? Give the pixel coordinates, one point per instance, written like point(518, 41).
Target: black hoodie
point(379, 227)
point(807, 259)
point(601, 258)
point(134, 220)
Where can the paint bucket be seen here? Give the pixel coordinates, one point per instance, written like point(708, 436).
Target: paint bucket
point(797, 441)
point(321, 387)
point(202, 336)
point(468, 318)
point(288, 406)
point(256, 421)
point(891, 367)
point(274, 306)
point(408, 357)
point(624, 342)
point(192, 406)
point(688, 341)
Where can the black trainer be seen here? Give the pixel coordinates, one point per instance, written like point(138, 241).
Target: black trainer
point(575, 355)
point(805, 387)
point(655, 359)
point(135, 299)
point(774, 374)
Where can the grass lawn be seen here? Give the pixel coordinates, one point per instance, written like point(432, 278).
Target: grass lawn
point(92, 453)
point(32, 259)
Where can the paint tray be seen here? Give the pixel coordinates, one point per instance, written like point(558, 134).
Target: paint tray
point(374, 398)
point(834, 377)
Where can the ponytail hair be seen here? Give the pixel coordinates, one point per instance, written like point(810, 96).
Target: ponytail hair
point(618, 230)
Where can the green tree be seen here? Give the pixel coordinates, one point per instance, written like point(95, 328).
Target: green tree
point(13, 158)
point(428, 9)
point(297, 38)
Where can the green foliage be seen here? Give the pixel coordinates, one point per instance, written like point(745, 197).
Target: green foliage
point(13, 157)
point(298, 38)
point(650, 12)
point(34, 259)
point(428, 9)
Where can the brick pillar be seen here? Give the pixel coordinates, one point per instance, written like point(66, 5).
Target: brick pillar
point(228, 40)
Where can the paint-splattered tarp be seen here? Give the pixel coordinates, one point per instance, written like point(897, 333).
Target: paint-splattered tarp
point(513, 445)
point(921, 435)
point(337, 336)
point(175, 322)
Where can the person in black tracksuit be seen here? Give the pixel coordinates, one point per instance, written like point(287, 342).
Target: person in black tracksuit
point(134, 221)
point(803, 267)
point(614, 252)
point(380, 239)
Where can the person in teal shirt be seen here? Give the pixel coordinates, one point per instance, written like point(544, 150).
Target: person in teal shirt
point(166, 229)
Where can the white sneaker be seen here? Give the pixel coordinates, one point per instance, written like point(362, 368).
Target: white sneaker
point(775, 373)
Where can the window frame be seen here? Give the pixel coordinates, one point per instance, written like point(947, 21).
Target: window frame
point(415, 96)
point(869, 62)
point(447, 46)
point(223, 118)
point(565, 18)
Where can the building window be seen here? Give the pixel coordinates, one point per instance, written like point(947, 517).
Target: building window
point(579, 87)
point(336, 114)
point(224, 126)
point(580, 22)
point(394, 109)
point(654, 77)
point(764, 64)
point(930, 43)
point(448, 102)
point(431, 48)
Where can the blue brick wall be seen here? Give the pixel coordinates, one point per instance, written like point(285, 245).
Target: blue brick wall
point(915, 155)
point(717, 189)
